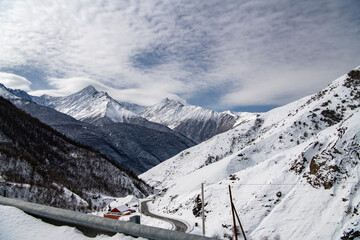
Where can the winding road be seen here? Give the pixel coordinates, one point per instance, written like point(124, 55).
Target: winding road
point(179, 226)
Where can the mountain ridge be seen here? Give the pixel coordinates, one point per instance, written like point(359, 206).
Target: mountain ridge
point(89, 105)
point(196, 123)
point(92, 106)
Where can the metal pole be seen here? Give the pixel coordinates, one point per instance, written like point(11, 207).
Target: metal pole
point(202, 208)
point(233, 215)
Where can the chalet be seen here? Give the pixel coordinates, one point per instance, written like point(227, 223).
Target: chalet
point(117, 212)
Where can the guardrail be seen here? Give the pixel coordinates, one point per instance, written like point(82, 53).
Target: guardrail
point(97, 224)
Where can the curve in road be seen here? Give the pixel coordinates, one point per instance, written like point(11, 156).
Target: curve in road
point(179, 226)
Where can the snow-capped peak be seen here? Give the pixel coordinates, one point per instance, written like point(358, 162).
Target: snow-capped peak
point(88, 90)
point(90, 105)
point(194, 122)
point(168, 101)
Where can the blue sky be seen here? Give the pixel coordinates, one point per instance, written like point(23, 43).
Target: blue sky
point(222, 55)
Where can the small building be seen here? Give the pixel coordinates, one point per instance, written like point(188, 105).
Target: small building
point(117, 212)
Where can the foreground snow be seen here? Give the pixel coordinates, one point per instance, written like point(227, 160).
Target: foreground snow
point(15, 224)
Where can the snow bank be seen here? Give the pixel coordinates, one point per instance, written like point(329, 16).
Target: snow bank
point(15, 224)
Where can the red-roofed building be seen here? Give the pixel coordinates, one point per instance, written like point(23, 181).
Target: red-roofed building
point(117, 212)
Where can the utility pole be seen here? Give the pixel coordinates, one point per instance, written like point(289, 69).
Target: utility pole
point(202, 208)
point(233, 214)
point(233, 211)
point(237, 216)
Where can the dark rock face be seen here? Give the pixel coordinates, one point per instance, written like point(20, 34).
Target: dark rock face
point(40, 164)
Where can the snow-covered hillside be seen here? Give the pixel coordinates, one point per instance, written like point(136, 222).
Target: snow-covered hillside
point(294, 171)
point(196, 123)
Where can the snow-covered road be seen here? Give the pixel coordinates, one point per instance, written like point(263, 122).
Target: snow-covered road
point(179, 225)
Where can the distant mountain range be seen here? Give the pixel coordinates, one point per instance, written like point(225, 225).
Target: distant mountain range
point(136, 136)
point(137, 146)
point(294, 171)
point(39, 164)
point(98, 108)
point(196, 123)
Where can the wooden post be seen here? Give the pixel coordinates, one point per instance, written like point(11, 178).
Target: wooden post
point(233, 214)
point(233, 209)
point(202, 208)
point(237, 216)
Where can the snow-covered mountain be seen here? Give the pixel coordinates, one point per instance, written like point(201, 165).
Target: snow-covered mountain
point(294, 171)
point(138, 147)
point(89, 105)
point(92, 106)
point(196, 123)
point(99, 108)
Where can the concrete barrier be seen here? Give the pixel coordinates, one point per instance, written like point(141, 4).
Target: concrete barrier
point(97, 224)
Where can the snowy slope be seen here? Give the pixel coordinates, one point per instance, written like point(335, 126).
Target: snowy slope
point(137, 109)
point(196, 123)
point(172, 113)
point(89, 105)
point(294, 171)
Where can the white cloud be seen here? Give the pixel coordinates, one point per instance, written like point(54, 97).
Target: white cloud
point(14, 81)
point(276, 88)
point(67, 86)
point(154, 49)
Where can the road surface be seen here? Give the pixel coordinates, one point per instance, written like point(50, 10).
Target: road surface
point(179, 226)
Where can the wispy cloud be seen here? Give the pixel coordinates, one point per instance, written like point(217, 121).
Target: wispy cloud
point(14, 81)
point(252, 52)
